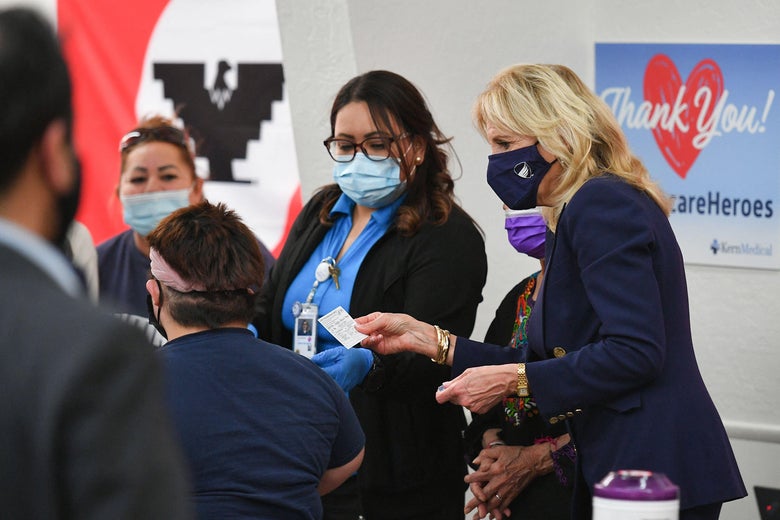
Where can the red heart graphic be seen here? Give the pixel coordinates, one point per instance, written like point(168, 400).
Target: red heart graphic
point(662, 86)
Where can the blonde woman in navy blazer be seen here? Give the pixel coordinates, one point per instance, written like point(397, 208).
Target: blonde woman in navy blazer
point(610, 349)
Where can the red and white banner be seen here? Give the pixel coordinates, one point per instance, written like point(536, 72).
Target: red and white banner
point(219, 66)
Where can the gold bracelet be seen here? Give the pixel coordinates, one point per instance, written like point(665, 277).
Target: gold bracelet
point(522, 381)
point(442, 345)
point(435, 358)
point(445, 335)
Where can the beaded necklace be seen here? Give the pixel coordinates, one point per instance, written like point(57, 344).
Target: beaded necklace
point(522, 313)
point(515, 408)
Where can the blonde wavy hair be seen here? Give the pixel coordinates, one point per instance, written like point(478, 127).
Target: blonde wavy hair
point(552, 104)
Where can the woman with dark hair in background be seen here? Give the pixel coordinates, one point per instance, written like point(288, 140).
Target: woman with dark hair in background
point(157, 177)
point(503, 442)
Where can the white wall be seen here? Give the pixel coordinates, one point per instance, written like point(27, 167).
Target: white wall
point(46, 7)
point(450, 49)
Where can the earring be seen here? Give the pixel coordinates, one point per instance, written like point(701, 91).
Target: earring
point(418, 160)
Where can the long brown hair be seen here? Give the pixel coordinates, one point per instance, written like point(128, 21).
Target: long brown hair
point(393, 99)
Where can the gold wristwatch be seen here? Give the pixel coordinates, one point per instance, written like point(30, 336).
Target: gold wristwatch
point(522, 381)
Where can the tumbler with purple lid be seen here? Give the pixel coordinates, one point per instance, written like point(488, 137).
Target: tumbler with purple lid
point(636, 495)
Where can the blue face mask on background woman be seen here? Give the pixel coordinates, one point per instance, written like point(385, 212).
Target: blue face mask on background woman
point(373, 184)
point(144, 211)
point(515, 176)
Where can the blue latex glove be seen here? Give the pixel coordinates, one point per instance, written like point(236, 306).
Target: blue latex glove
point(347, 366)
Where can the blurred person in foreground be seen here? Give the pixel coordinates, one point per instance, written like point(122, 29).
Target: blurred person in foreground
point(83, 427)
point(265, 430)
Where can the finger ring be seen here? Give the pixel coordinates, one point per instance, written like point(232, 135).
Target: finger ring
point(498, 497)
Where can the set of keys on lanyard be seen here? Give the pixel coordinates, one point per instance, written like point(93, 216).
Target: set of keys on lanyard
point(327, 269)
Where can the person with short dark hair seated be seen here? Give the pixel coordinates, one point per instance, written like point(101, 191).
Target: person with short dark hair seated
point(265, 430)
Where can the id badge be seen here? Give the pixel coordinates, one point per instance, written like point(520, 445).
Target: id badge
point(305, 333)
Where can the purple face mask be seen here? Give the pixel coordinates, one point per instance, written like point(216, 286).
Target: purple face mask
point(526, 232)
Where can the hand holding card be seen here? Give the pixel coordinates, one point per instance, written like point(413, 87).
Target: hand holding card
point(342, 327)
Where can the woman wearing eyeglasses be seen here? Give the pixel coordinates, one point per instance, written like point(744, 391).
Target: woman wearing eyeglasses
point(387, 235)
point(157, 177)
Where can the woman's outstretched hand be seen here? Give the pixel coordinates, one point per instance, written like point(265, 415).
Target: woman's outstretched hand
point(390, 333)
point(481, 388)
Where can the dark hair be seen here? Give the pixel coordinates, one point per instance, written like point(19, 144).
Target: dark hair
point(392, 98)
point(156, 122)
point(34, 87)
point(210, 244)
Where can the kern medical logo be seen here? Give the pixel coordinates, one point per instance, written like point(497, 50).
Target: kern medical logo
point(732, 248)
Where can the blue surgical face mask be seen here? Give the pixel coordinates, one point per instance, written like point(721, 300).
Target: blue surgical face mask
point(515, 176)
point(373, 184)
point(143, 212)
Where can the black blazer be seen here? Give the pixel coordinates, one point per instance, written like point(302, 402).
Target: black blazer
point(83, 431)
point(413, 444)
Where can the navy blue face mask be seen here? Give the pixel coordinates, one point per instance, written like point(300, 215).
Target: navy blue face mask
point(515, 176)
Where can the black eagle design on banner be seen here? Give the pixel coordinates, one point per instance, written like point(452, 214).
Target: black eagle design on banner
point(222, 120)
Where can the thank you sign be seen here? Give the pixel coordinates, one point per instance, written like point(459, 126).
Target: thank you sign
point(705, 121)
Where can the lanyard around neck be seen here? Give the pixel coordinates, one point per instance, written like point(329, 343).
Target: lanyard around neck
point(327, 268)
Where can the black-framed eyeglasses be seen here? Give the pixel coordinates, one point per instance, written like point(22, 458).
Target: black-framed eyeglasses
point(375, 148)
point(166, 134)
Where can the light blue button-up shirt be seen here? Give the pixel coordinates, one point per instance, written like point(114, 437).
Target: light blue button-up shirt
point(327, 297)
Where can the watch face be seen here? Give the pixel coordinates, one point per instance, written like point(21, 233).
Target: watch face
point(522, 381)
